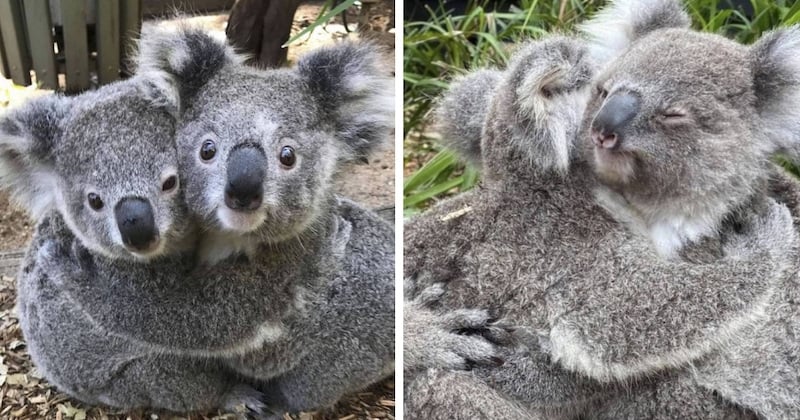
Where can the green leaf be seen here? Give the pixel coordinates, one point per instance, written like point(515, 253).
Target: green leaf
point(321, 20)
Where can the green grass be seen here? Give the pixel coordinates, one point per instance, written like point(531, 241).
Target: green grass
point(446, 46)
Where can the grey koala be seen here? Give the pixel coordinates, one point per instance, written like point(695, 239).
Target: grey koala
point(588, 321)
point(99, 172)
point(259, 170)
point(259, 175)
point(305, 317)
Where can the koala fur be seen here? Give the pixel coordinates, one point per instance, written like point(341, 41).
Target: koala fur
point(592, 320)
point(335, 106)
point(50, 145)
point(304, 319)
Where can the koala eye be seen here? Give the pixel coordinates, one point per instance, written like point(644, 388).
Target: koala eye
point(208, 150)
point(287, 157)
point(94, 201)
point(546, 92)
point(675, 115)
point(169, 184)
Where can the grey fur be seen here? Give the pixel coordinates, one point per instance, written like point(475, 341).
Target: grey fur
point(303, 319)
point(570, 295)
point(335, 106)
point(69, 349)
point(466, 105)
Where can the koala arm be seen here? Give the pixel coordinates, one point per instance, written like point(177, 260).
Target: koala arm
point(639, 313)
point(173, 306)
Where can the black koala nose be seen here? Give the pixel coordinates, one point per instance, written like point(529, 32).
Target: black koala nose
point(136, 223)
point(612, 118)
point(244, 189)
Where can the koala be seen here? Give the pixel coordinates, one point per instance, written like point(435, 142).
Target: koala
point(261, 169)
point(301, 312)
point(99, 173)
point(541, 203)
point(259, 177)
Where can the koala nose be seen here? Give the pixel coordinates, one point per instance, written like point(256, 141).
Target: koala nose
point(244, 189)
point(136, 223)
point(612, 118)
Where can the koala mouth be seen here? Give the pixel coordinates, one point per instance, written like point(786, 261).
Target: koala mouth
point(153, 249)
point(614, 166)
point(238, 221)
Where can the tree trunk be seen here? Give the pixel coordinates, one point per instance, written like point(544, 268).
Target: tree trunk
point(258, 28)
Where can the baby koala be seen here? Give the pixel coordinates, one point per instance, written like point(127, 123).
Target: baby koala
point(590, 288)
point(260, 169)
point(302, 310)
point(259, 150)
point(99, 173)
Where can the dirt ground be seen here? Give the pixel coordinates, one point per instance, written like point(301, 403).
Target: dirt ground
point(25, 395)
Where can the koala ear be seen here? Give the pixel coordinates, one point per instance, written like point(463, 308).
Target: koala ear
point(350, 85)
point(27, 138)
point(185, 57)
point(161, 90)
point(775, 61)
point(614, 28)
point(461, 112)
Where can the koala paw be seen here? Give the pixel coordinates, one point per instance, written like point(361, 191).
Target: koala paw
point(249, 403)
point(457, 339)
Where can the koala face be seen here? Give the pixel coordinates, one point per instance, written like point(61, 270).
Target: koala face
point(668, 122)
point(259, 147)
point(262, 163)
point(106, 161)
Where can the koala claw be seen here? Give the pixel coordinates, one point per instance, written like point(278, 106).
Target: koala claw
point(457, 340)
point(249, 403)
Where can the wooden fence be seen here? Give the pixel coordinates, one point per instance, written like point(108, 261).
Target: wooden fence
point(74, 44)
point(68, 44)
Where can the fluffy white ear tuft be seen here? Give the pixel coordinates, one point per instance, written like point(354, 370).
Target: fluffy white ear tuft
point(27, 137)
point(461, 112)
point(775, 62)
point(183, 56)
point(619, 24)
point(350, 81)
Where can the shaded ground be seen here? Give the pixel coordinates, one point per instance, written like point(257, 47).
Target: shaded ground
point(25, 395)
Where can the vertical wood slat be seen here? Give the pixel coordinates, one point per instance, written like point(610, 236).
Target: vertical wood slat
point(107, 37)
point(130, 27)
point(76, 48)
point(40, 40)
point(3, 60)
point(14, 43)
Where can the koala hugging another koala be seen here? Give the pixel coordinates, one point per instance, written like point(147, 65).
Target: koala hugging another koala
point(190, 253)
point(630, 232)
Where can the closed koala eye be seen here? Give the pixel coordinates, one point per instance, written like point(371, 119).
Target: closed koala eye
point(674, 115)
point(287, 156)
point(95, 202)
point(208, 150)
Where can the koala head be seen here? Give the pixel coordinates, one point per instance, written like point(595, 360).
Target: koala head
point(682, 123)
point(259, 147)
point(534, 117)
point(105, 160)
